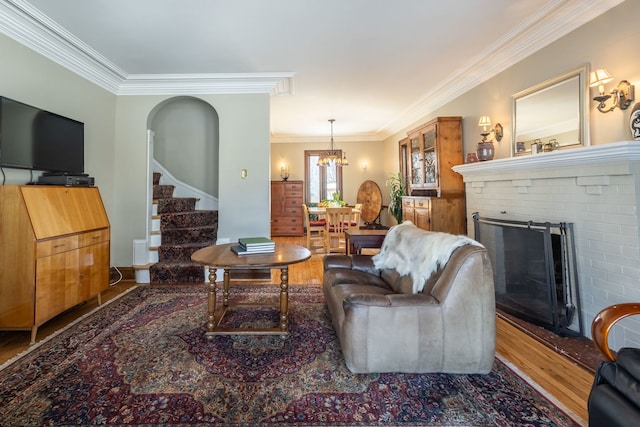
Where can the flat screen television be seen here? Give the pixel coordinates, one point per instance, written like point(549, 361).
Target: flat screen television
point(31, 138)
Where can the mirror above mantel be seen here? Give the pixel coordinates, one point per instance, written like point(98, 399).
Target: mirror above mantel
point(551, 115)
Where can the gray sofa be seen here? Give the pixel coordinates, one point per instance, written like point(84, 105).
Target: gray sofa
point(383, 326)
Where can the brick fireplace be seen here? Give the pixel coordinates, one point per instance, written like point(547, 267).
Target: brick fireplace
point(597, 189)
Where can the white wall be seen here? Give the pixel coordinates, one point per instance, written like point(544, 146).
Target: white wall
point(244, 144)
point(186, 142)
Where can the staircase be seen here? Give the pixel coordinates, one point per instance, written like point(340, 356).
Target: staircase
point(183, 231)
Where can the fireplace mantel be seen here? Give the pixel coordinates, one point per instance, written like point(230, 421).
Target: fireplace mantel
point(623, 151)
point(595, 188)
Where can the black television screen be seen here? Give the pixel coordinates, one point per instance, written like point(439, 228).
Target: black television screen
point(31, 138)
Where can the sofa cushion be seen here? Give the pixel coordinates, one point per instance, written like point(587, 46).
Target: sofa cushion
point(400, 284)
point(339, 276)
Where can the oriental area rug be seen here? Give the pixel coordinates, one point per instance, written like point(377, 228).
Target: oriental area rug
point(144, 359)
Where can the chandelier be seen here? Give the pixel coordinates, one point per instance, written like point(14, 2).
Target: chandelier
point(333, 156)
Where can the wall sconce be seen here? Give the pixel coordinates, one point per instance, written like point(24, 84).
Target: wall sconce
point(364, 166)
point(284, 172)
point(485, 122)
point(623, 94)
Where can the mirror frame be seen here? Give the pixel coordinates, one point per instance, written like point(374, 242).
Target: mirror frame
point(582, 73)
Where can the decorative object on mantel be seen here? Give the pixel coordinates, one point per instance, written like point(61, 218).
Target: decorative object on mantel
point(536, 145)
point(471, 158)
point(485, 151)
point(623, 94)
point(333, 156)
point(284, 172)
point(485, 148)
point(634, 122)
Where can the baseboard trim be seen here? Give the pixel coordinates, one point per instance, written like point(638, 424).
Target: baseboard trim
point(128, 273)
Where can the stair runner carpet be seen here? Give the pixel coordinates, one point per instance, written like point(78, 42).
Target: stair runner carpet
point(184, 230)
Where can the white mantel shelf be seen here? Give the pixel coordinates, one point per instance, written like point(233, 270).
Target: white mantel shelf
point(623, 151)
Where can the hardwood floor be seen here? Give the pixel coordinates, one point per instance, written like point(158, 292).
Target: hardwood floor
point(559, 376)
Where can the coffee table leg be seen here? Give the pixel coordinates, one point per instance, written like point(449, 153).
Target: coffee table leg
point(284, 299)
point(225, 294)
point(211, 309)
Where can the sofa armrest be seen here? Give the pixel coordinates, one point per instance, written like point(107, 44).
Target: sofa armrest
point(362, 263)
point(391, 300)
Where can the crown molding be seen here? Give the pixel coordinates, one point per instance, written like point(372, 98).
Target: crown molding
point(275, 84)
point(30, 27)
point(557, 19)
point(296, 139)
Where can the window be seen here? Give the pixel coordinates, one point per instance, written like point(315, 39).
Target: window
point(321, 182)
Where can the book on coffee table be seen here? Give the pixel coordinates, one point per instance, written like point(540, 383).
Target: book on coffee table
point(256, 242)
point(239, 250)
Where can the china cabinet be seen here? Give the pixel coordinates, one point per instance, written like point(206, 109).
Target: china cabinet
point(433, 149)
point(427, 156)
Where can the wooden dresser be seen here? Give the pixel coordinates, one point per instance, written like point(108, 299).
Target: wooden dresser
point(54, 243)
point(286, 208)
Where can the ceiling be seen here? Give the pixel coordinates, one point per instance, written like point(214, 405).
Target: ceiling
point(376, 66)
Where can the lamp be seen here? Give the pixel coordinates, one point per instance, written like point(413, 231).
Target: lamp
point(333, 156)
point(485, 149)
point(284, 172)
point(485, 122)
point(623, 94)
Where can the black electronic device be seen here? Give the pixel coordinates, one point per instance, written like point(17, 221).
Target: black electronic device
point(32, 138)
point(67, 180)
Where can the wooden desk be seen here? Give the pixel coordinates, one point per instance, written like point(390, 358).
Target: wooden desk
point(356, 240)
point(221, 256)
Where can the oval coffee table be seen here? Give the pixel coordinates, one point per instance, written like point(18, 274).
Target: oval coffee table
point(221, 256)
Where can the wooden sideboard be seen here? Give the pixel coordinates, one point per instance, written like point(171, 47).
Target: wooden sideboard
point(446, 214)
point(286, 208)
point(55, 244)
point(427, 156)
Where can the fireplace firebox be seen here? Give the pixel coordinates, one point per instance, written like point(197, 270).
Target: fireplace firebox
point(534, 271)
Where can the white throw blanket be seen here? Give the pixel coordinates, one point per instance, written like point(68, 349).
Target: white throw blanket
point(411, 250)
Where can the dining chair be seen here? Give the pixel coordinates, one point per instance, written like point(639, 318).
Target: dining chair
point(354, 224)
point(314, 230)
point(338, 221)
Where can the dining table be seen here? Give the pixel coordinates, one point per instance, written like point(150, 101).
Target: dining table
point(322, 210)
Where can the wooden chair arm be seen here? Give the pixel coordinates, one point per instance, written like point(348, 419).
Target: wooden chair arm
point(604, 321)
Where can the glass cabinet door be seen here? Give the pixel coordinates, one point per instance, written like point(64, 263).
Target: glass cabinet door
point(416, 162)
point(430, 158)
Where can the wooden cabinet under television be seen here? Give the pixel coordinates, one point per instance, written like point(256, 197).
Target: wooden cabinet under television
point(286, 208)
point(55, 244)
point(427, 157)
